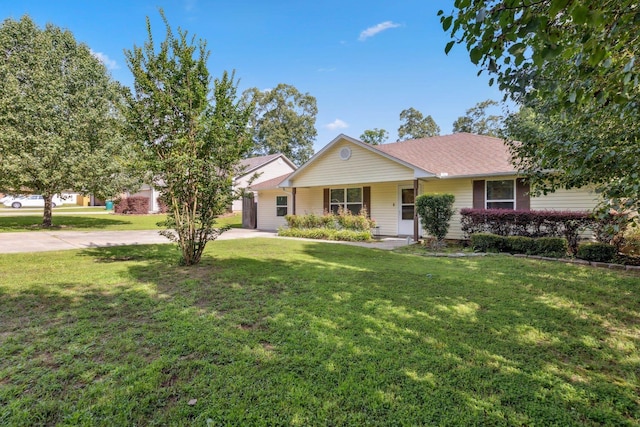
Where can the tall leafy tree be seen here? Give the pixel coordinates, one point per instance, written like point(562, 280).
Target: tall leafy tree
point(374, 136)
point(415, 125)
point(191, 137)
point(60, 126)
point(477, 121)
point(283, 122)
point(574, 65)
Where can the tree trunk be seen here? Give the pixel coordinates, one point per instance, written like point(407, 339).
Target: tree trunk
point(46, 218)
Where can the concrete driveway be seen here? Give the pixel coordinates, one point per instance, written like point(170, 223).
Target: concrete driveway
point(41, 241)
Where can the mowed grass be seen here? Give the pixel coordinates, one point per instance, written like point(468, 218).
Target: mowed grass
point(282, 332)
point(97, 222)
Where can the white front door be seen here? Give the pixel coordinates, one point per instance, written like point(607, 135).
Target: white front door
point(406, 200)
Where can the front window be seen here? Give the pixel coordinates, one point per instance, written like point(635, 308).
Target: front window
point(346, 199)
point(282, 206)
point(501, 194)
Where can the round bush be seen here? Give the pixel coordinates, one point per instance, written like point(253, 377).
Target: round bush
point(597, 252)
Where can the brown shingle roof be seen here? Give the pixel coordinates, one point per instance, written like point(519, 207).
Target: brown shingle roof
point(269, 184)
point(458, 154)
point(255, 162)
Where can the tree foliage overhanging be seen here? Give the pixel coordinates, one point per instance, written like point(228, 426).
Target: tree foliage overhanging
point(573, 65)
point(190, 138)
point(60, 125)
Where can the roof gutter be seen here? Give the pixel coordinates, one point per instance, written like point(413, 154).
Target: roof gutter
point(479, 175)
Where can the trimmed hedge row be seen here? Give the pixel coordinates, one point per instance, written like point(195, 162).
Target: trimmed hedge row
point(343, 220)
point(598, 252)
point(503, 222)
point(342, 226)
point(132, 205)
point(555, 247)
point(326, 234)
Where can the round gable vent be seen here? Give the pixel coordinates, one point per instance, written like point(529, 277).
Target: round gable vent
point(345, 153)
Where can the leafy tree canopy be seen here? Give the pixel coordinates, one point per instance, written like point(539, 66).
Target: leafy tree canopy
point(478, 122)
point(374, 136)
point(574, 65)
point(190, 137)
point(415, 125)
point(60, 126)
point(283, 122)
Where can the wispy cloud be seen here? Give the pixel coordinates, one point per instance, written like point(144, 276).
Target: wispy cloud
point(189, 5)
point(111, 64)
point(326, 70)
point(372, 31)
point(337, 124)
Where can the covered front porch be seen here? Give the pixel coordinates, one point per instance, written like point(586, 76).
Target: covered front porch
point(390, 204)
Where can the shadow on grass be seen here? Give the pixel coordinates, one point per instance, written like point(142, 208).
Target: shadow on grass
point(303, 333)
point(60, 222)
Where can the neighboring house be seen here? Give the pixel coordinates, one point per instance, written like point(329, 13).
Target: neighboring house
point(260, 169)
point(385, 178)
point(151, 193)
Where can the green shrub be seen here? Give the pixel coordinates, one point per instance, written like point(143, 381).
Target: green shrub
point(521, 245)
point(598, 252)
point(326, 234)
point(555, 247)
point(311, 221)
point(343, 220)
point(544, 246)
point(348, 221)
point(435, 211)
point(485, 242)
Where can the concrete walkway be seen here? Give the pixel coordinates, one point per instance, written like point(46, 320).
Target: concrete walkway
point(41, 241)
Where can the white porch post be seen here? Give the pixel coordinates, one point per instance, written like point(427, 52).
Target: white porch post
point(416, 227)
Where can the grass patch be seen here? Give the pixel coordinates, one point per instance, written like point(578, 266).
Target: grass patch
point(110, 222)
point(281, 332)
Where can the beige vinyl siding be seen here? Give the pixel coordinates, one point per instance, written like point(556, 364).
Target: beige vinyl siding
point(266, 217)
point(566, 200)
point(309, 201)
point(362, 166)
point(462, 189)
point(273, 169)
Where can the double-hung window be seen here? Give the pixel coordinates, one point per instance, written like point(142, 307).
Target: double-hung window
point(346, 199)
point(501, 194)
point(282, 205)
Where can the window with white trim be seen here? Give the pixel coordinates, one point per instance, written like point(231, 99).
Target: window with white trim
point(501, 194)
point(347, 199)
point(282, 205)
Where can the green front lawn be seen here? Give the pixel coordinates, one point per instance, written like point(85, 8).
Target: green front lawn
point(281, 332)
point(99, 222)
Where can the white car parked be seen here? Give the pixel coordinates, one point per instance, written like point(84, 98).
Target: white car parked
point(31, 201)
point(7, 197)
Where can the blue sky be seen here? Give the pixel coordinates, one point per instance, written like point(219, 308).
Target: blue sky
point(364, 61)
